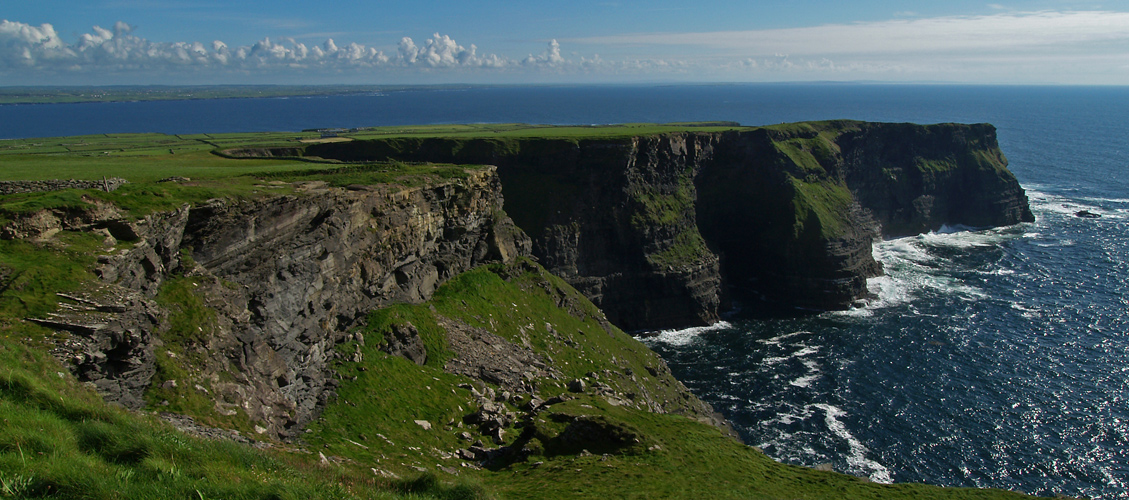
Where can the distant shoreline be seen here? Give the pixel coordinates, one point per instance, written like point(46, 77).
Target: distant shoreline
point(64, 94)
point(142, 93)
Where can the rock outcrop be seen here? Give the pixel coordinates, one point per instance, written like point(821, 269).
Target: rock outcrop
point(657, 229)
point(282, 280)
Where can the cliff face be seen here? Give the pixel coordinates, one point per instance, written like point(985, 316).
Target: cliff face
point(914, 179)
point(280, 281)
point(656, 229)
point(615, 218)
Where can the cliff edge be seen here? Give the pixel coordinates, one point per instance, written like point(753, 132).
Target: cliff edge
point(658, 230)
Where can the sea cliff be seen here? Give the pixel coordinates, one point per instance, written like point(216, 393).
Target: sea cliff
point(384, 328)
point(661, 230)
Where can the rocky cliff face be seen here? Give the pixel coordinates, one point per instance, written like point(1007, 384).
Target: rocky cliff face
point(281, 281)
point(656, 229)
point(914, 179)
point(238, 308)
point(616, 218)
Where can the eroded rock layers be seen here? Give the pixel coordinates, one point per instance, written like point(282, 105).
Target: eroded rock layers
point(282, 280)
point(656, 230)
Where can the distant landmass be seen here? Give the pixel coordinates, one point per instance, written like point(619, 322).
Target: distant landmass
point(125, 93)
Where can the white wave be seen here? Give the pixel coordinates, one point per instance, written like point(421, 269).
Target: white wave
point(780, 338)
point(1066, 242)
point(888, 291)
point(804, 351)
point(686, 335)
point(784, 419)
point(1105, 200)
point(856, 458)
point(899, 249)
point(1047, 203)
point(964, 237)
point(813, 374)
point(998, 272)
point(955, 228)
point(912, 268)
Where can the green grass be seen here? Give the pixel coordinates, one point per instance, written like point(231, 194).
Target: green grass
point(515, 302)
point(374, 174)
point(821, 209)
point(635, 454)
point(175, 387)
point(688, 248)
point(59, 440)
point(679, 458)
point(654, 208)
point(35, 272)
point(528, 131)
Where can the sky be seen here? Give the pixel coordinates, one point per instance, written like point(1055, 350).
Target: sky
point(109, 42)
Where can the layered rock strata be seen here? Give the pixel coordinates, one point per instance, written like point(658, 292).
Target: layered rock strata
point(657, 229)
point(284, 277)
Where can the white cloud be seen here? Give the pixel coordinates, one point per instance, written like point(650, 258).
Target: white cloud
point(1063, 47)
point(996, 32)
point(551, 57)
point(24, 47)
point(1059, 47)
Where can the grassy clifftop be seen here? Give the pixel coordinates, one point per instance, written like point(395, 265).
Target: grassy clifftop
point(526, 391)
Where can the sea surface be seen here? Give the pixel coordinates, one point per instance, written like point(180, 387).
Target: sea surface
point(992, 357)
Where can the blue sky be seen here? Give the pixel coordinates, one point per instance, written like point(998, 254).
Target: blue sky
point(473, 41)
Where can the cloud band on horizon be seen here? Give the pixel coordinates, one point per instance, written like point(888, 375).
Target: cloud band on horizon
point(979, 48)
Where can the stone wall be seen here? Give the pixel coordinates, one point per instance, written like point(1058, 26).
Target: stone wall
point(13, 187)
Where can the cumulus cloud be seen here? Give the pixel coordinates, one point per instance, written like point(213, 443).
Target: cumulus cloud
point(1066, 47)
point(118, 50)
point(551, 57)
point(440, 51)
point(23, 46)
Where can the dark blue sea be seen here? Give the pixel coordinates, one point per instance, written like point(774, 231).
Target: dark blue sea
point(993, 358)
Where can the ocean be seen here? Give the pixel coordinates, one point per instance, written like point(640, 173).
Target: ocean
point(991, 357)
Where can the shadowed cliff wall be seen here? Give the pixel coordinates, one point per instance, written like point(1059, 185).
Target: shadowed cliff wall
point(657, 229)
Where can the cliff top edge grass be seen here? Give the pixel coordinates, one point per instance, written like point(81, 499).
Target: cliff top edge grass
point(146, 157)
point(252, 181)
point(152, 156)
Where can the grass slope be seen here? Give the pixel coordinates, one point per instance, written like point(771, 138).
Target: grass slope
point(59, 440)
point(667, 456)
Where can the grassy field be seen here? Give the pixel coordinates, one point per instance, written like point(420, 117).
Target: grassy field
point(151, 157)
